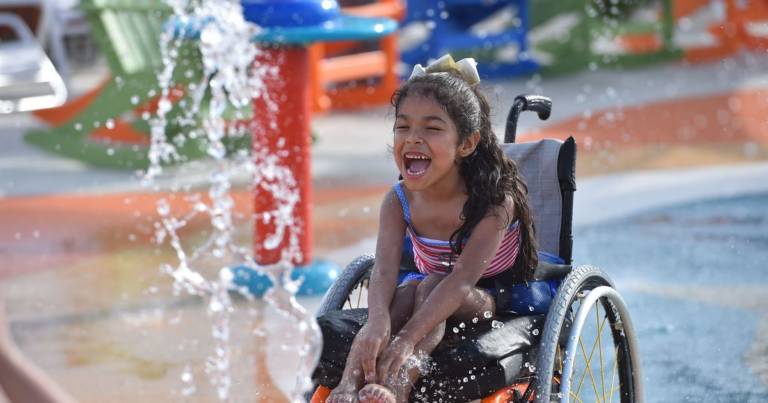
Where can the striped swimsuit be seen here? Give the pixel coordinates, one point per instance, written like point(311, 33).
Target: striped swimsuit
point(436, 256)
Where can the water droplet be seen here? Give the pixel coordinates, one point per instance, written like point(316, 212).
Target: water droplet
point(487, 314)
point(163, 106)
point(135, 100)
point(163, 208)
point(455, 329)
point(497, 324)
point(535, 332)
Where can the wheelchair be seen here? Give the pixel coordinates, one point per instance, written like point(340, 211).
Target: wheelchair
point(575, 342)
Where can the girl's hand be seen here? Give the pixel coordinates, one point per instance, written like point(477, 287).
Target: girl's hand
point(393, 358)
point(374, 336)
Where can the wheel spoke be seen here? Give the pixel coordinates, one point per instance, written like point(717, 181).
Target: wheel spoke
point(359, 294)
point(600, 349)
point(577, 397)
point(613, 373)
point(615, 389)
point(583, 376)
point(588, 369)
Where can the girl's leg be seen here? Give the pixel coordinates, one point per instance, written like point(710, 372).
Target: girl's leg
point(352, 378)
point(399, 388)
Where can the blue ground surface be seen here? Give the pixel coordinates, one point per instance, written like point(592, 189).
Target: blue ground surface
point(691, 350)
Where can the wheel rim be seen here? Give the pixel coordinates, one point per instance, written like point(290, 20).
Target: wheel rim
point(597, 364)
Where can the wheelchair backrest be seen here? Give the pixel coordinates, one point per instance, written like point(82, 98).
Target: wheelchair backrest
point(548, 167)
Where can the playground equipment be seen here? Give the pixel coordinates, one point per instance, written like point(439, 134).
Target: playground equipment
point(730, 26)
point(493, 32)
point(351, 74)
point(28, 79)
point(108, 126)
point(602, 36)
point(281, 123)
point(285, 40)
point(583, 347)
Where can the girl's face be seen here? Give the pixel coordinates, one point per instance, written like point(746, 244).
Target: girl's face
point(426, 143)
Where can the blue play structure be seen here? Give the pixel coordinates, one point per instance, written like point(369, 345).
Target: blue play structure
point(492, 31)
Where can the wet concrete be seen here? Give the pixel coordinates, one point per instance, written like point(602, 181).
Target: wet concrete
point(694, 278)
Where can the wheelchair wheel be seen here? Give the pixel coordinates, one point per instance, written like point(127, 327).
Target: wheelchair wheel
point(350, 290)
point(588, 350)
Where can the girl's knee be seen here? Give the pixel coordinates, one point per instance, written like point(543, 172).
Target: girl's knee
point(401, 308)
point(427, 285)
point(406, 289)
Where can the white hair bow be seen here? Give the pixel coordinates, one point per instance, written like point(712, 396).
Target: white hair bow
point(467, 68)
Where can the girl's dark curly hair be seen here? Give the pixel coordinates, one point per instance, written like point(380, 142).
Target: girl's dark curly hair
point(490, 176)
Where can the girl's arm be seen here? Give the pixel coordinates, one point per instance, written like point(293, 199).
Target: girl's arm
point(374, 336)
point(450, 293)
point(389, 249)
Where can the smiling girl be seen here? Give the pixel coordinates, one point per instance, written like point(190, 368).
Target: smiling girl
point(463, 205)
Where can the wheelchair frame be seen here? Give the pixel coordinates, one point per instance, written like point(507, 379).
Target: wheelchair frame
point(583, 290)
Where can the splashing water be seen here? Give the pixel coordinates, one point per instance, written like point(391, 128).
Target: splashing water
point(230, 80)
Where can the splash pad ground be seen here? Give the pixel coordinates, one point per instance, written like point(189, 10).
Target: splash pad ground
point(80, 274)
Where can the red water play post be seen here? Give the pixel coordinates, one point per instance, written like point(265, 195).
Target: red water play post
point(284, 130)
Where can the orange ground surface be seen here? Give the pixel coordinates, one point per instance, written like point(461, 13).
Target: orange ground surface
point(48, 231)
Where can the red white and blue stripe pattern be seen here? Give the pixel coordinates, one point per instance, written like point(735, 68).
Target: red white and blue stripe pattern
point(436, 256)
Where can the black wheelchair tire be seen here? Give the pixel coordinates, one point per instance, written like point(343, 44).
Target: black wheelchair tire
point(352, 275)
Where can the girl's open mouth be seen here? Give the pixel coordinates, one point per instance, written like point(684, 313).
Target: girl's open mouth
point(416, 164)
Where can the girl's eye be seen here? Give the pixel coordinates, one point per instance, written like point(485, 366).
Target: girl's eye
point(401, 127)
point(434, 129)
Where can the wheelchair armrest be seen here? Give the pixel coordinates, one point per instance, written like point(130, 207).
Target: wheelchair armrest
point(551, 271)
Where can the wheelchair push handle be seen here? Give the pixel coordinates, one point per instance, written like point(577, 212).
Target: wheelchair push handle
point(536, 103)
